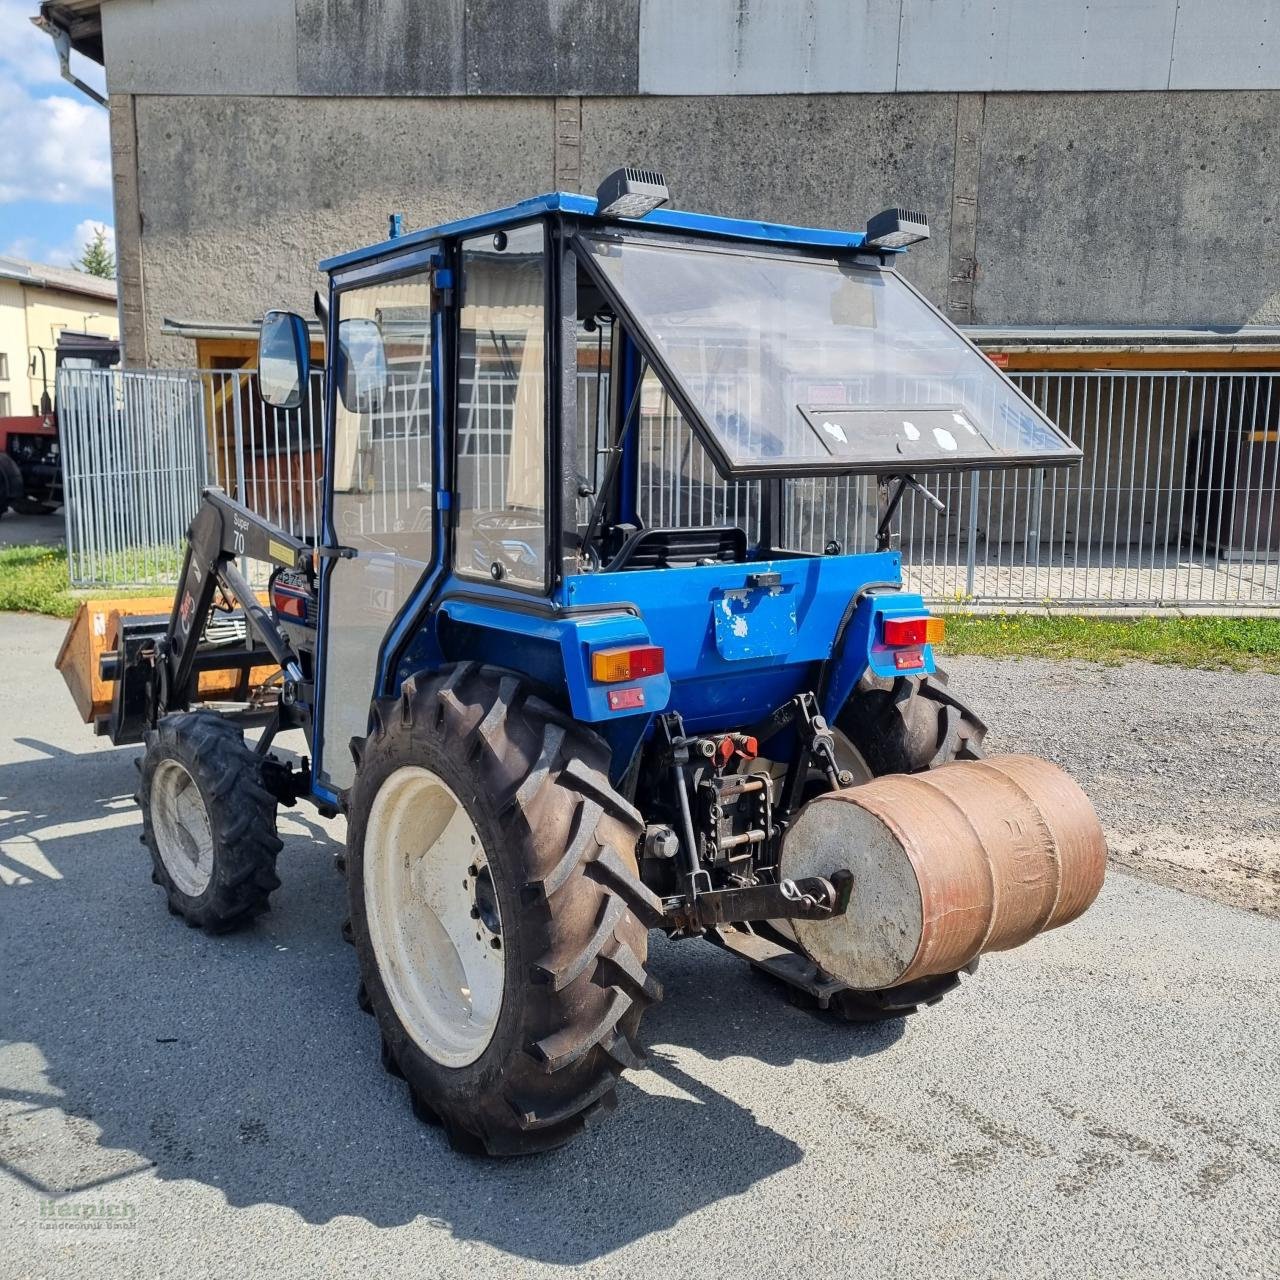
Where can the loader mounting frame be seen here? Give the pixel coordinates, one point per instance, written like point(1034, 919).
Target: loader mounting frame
point(156, 665)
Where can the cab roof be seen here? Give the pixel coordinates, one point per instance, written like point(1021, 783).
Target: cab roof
point(582, 206)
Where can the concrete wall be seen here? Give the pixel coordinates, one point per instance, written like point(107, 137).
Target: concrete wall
point(711, 47)
point(1069, 174)
point(1118, 208)
point(241, 197)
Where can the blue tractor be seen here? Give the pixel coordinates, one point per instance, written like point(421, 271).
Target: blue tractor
point(605, 632)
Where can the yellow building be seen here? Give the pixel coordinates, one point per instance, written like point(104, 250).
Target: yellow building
point(37, 303)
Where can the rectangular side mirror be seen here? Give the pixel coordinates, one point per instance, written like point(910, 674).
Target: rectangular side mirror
point(284, 359)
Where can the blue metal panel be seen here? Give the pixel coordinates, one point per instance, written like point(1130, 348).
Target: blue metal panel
point(713, 688)
point(864, 646)
point(585, 207)
point(753, 622)
point(576, 638)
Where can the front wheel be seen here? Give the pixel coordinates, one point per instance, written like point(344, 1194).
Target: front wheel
point(208, 821)
point(496, 910)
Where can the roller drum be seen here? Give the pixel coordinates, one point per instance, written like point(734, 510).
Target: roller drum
point(971, 857)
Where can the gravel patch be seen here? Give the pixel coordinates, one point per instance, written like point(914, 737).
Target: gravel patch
point(1183, 766)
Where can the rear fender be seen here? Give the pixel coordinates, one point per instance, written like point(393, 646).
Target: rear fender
point(864, 648)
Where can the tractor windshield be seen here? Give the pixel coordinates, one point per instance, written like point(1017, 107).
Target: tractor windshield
point(815, 365)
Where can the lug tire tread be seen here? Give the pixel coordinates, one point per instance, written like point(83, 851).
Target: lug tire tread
point(569, 842)
point(242, 819)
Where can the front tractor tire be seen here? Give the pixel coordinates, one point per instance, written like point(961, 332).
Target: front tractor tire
point(208, 821)
point(496, 909)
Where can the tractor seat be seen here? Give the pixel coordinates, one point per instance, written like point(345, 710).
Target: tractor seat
point(669, 548)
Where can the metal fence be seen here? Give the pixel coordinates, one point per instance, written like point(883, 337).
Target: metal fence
point(135, 458)
point(1175, 504)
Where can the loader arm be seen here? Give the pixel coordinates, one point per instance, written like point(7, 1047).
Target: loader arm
point(157, 663)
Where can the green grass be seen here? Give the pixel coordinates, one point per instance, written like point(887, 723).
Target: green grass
point(1241, 644)
point(36, 580)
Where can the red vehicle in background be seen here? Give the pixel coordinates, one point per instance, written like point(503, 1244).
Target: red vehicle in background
point(30, 465)
point(30, 459)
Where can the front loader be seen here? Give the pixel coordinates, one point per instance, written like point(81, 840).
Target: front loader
point(605, 632)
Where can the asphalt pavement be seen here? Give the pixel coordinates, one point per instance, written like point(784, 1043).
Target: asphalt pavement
point(17, 530)
point(1102, 1102)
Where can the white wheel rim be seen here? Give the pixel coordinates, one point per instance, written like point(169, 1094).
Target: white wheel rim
point(432, 916)
point(180, 822)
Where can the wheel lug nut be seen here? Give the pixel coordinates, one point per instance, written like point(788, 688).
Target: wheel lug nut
point(473, 870)
point(496, 943)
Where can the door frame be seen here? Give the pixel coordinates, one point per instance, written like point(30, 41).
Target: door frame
point(410, 262)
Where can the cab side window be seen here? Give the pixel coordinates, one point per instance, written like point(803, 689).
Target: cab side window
point(502, 408)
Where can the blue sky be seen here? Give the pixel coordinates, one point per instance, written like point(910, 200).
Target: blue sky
point(55, 158)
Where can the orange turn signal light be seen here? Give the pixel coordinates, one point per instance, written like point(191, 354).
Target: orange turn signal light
point(908, 631)
point(611, 665)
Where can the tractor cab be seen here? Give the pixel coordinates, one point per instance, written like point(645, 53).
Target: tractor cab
point(591, 426)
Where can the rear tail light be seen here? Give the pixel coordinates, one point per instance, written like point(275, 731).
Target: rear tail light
point(611, 665)
point(913, 631)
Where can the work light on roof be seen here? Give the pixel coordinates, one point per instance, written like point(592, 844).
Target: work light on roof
point(631, 193)
point(897, 228)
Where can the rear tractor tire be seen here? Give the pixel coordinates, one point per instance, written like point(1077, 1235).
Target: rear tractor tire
point(496, 910)
point(208, 821)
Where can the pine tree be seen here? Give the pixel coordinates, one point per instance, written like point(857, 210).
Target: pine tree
point(97, 259)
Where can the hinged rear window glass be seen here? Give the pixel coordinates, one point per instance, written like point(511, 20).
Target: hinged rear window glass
point(817, 365)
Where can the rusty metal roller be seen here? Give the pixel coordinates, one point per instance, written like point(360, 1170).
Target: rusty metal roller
point(971, 857)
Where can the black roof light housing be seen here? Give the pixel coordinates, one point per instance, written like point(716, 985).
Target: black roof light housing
point(897, 228)
point(631, 192)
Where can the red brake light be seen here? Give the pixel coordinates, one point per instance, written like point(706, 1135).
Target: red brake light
point(611, 665)
point(913, 631)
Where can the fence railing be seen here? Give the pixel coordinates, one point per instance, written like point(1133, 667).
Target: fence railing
point(1177, 501)
point(135, 458)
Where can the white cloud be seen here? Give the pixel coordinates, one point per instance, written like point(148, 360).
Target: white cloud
point(56, 148)
point(66, 254)
point(54, 145)
point(27, 55)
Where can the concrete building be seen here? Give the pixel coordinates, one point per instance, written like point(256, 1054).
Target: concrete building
point(37, 304)
point(1083, 165)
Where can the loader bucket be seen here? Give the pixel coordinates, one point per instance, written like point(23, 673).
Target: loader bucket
point(95, 630)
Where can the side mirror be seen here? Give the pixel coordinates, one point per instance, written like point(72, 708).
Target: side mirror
point(361, 365)
point(284, 359)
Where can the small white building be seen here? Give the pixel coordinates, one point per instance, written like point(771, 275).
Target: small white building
point(37, 304)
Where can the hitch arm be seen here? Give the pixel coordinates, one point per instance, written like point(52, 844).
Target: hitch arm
point(813, 898)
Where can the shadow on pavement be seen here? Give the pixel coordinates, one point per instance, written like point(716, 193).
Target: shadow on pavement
point(243, 1063)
